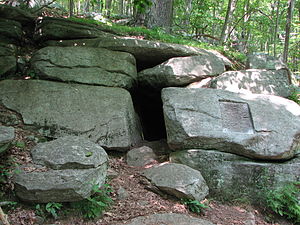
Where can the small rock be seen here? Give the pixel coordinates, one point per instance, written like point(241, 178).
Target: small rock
point(140, 156)
point(7, 135)
point(122, 193)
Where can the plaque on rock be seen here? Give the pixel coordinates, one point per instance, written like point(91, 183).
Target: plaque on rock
point(236, 117)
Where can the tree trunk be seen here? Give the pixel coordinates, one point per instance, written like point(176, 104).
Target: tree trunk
point(160, 15)
point(288, 29)
point(108, 7)
point(276, 27)
point(121, 7)
point(71, 8)
point(228, 19)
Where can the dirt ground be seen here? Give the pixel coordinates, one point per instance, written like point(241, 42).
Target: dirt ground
point(131, 198)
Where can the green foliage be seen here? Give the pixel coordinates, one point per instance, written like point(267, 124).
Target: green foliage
point(194, 205)
point(49, 209)
point(285, 201)
point(141, 5)
point(295, 96)
point(94, 206)
point(20, 144)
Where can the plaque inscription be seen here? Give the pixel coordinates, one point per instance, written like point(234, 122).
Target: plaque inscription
point(236, 117)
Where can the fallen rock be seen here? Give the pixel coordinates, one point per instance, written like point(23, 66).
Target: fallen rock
point(168, 218)
point(7, 135)
point(15, 13)
point(50, 28)
point(8, 60)
point(269, 82)
point(147, 53)
point(181, 71)
point(105, 115)
point(230, 176)
point(140, 156)
point(177, 180)
point(64, 170)
point(69, 152)
point(255, 126)
point(85, 65)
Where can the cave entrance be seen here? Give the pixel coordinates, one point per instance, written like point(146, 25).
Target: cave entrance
point(149, 107)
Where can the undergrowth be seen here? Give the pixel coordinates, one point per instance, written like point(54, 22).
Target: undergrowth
point(194, 205)
point(285, 201)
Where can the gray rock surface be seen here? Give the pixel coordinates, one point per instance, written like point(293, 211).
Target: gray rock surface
point(270, 82)
point(7, 135)
point(64, 170)
point(140, 156)
point(229, 176)
point(86, 65)
point(50, 28)
point(264, 61)
point(169, 219)
point(69, 152)
point(11, 31)
point(105, 115)
point(145, 51)
point(178, 180)
point(15, 13)
point(256, 126)
point(181, 71)
point(8, 60)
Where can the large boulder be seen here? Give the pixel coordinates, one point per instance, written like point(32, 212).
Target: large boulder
point(168, 218)
point(105, 115)
point(65, 170)
point(8, 60)
point(256, 126)
point(264, 61)
point(229, 176)
point(85, 65)
point(270, 82)
point(50, 28)
point(180, 71)
point(15, 13)
point(147, 53)
point(177, 180)
point(7, 135)
point(11, 31)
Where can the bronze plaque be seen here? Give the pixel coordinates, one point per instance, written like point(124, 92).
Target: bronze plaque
point(236, 117)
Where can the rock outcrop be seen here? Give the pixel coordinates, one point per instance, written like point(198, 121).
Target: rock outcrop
point(269, 82)
point(105, 115)
point(256, 126)
point(180, 71)
point(85, 65)
point(177, 180)
point(7, 135)
point(168, 218)
point(229, 176)
point(65, 170)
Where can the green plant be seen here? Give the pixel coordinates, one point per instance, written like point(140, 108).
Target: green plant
point(194, 205)
point(295, 96)
point(20, 144)
point(49, 209)
point(94, 206)
point(285, 201)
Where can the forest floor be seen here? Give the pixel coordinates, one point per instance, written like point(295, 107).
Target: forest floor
point(131, 198)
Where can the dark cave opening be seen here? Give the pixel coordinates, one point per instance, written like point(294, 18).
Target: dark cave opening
point(149, 107)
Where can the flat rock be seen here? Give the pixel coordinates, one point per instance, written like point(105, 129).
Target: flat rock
point(168, 218)
point(66, 185)
point(140, 156)
point(178, 180)
point(264, 61)
point(8, 59)
point(230, 176)
point(69, 152)
point(255, 126)
point(150, 53)
point(85, 65)
point(15, 13)
point(11, 31)
point(181, 71)
point(105, 115)
point(269, 82)
point(50, 28)
point(7, 135)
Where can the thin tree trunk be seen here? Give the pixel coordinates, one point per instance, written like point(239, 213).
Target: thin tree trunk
point(71, 8)
point(276, 27)
point(121, 7)
point(288, 30)
point(226, 26)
